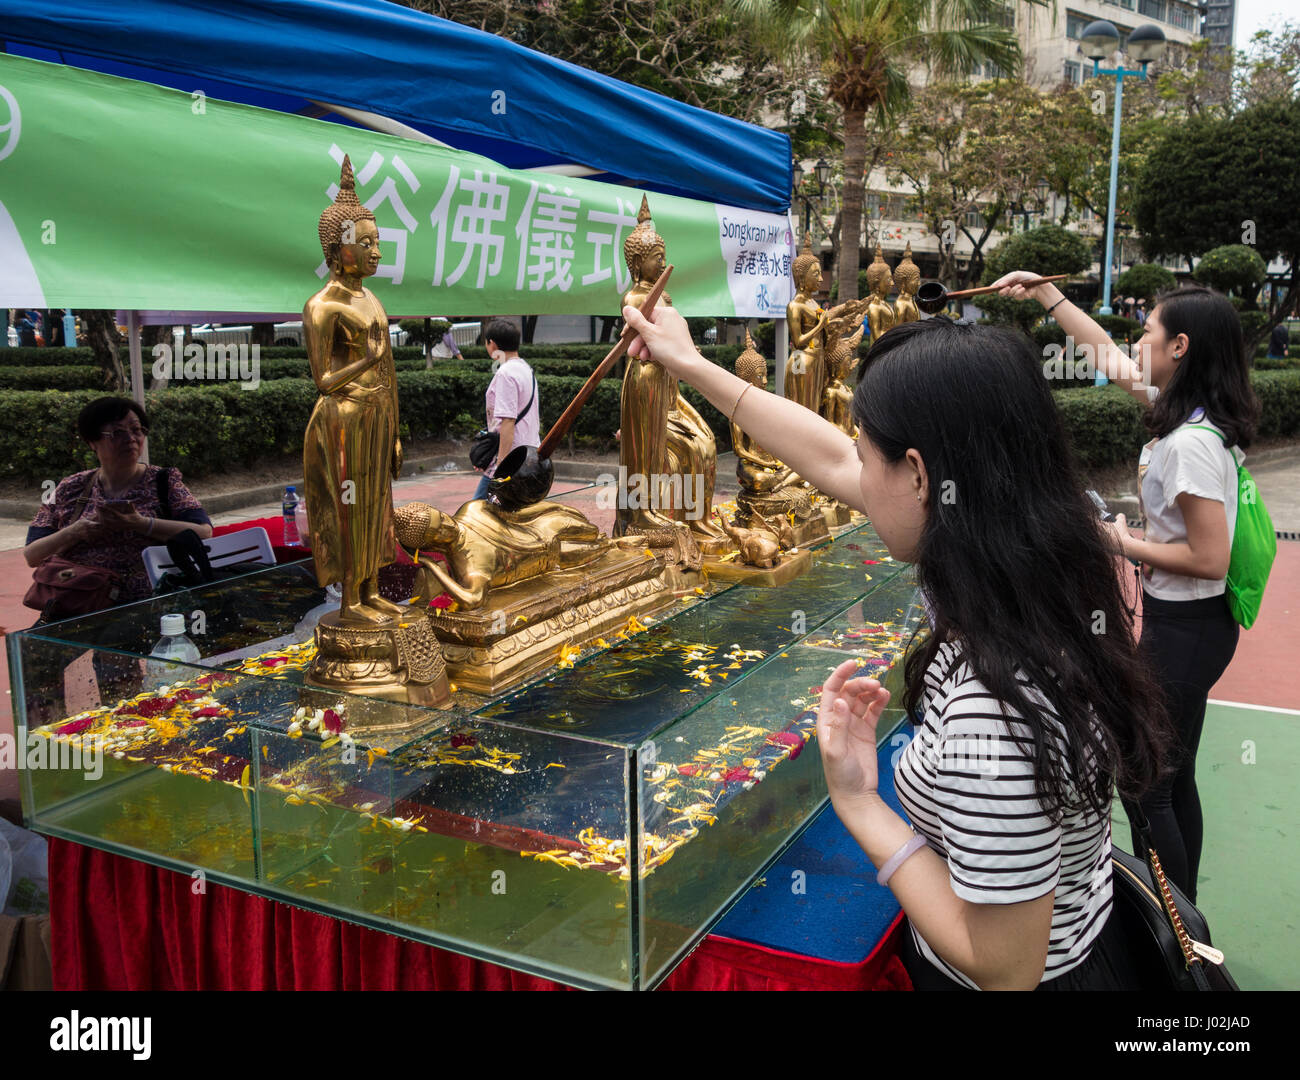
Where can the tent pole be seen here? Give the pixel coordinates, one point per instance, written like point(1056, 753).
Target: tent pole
point(782, 351)
point(137, 369)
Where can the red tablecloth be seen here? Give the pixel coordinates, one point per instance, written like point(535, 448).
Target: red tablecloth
point(120, 924)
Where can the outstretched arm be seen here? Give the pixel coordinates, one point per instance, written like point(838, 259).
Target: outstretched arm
point(1125, 372)
point(798, 437)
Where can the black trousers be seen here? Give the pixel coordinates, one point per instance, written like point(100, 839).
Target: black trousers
point(1107, 966)
point(1189, 644)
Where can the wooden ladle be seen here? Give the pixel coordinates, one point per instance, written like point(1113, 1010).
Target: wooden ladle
point(525, 475)
point(932, 297)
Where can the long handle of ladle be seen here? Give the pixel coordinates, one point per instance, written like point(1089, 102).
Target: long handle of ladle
point(561, 427)
point(993, 288)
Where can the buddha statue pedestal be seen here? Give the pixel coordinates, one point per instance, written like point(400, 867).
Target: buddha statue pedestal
point(520, 630)
point(399, 660)
point(732, 568)
point(795, 505)
point(835, 513)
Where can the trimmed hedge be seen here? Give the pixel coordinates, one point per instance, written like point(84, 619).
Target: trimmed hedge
point(202, 429)
point(61, 377)
point(29, 356)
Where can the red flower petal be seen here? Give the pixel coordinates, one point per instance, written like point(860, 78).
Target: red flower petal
point(688, 770)
point(148, 707)
point(72, 727)
point(457, 741)
point(790, 739)
point(739, 773)
point(332, 722)
point(211, 710)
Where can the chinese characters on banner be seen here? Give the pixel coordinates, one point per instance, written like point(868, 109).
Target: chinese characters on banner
point(492, 229)
point(759, 251)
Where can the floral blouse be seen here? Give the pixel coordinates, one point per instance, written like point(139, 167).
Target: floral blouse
point(120, 552)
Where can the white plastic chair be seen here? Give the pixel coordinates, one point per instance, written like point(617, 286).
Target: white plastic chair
point(247, 545)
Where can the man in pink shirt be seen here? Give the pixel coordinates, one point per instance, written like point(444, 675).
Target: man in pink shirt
point(513, 408)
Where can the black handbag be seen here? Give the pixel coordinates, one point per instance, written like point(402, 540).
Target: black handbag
point(486, 443)
point(1168, 937)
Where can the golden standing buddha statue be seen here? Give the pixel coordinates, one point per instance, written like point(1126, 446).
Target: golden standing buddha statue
point(907, 279)
point(688, 455)
point(351, 455)
point(805, 370)
point(880, 313)
point(648, 390)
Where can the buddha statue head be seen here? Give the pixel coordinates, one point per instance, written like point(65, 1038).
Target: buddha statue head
point(879, 278)
point(349, 236)
point(907, 275)
point(751, 366)
point(644, 250)
point(807, 269)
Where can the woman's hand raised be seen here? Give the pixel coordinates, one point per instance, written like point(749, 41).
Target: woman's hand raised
point(1012, 287)
point(664, 338)
point(846, 733)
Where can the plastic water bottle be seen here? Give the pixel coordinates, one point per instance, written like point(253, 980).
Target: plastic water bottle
point(173, 645)
point(289, 508)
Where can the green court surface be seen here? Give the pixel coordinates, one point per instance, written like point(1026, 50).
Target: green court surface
point(1249, 884)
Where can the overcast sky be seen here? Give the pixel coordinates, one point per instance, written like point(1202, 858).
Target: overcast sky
point(1255, 15)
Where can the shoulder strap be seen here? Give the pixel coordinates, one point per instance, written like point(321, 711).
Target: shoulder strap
point(1202, 427)
point(1213, 431)
point(164, 492)
point(530, 400)
point(79, 507)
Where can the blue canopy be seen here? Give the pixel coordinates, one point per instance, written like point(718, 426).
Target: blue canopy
point(469, 89)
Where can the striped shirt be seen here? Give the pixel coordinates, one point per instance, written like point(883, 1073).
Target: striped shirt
point(969, 790)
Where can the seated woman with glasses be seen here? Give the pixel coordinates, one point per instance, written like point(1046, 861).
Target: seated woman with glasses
point(106, 517)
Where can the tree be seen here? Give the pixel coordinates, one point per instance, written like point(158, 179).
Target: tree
point(865, 49)
point(1049, 249)
point(975, 150)
point(1230, 180)
point(100, 330)
point(689, 50)
point(1233, 268)
point(1144, 281)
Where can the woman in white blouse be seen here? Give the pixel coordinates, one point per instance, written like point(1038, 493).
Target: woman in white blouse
point(1193, 378)
point(963, 467)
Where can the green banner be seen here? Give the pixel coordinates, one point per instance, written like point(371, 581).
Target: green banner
point(122, 194)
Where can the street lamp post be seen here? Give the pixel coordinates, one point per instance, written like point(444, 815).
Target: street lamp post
point(1145, 44)
point(822, 171)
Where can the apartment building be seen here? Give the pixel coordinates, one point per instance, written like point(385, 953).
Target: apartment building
point(1050, 41)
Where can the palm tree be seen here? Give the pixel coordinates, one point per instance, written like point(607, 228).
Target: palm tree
point(866, 49)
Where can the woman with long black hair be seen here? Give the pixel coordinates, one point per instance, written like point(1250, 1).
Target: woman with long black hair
point(1190, 369)
point(1031, 705)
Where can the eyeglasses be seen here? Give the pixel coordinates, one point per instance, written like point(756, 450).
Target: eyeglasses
point(124, 434)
